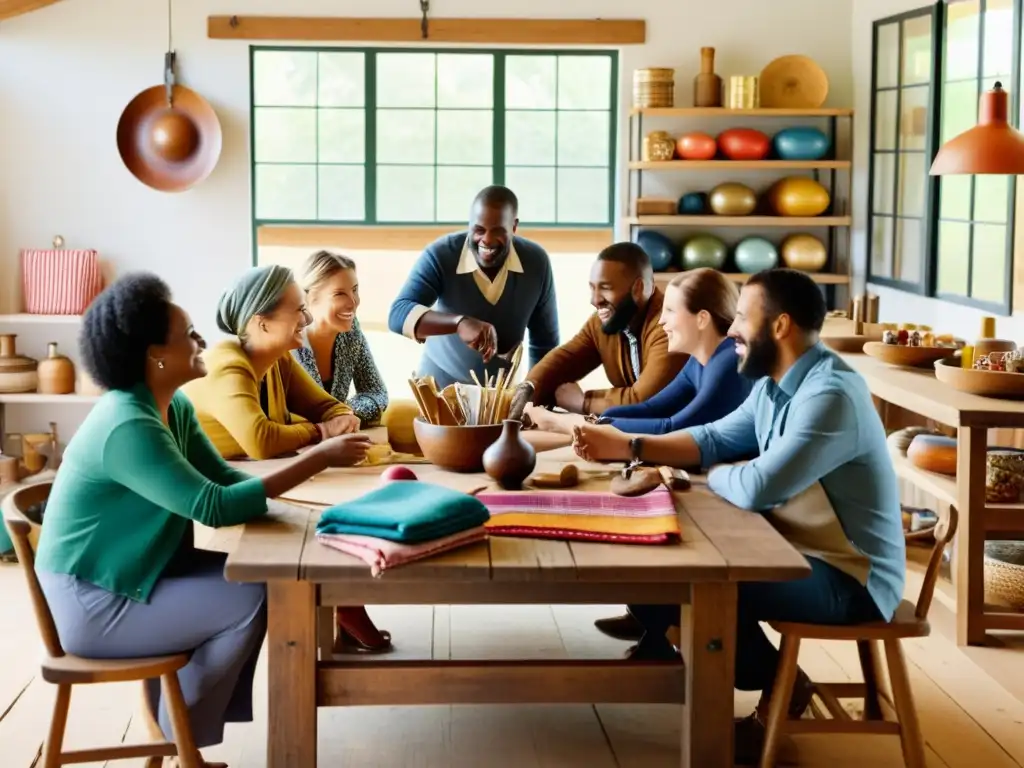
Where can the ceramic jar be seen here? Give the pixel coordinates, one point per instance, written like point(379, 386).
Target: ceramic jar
point(56, 373)
point(17, 372)
point(658, 146)
point(509, 460)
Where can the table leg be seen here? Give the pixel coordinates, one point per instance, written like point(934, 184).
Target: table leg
point(709, 650)
point(972, 447)
point(291, 638)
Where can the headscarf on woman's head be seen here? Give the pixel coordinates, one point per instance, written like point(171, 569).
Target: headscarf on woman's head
point(256, 292)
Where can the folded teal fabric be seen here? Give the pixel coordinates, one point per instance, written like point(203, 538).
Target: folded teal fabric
point(408, 511)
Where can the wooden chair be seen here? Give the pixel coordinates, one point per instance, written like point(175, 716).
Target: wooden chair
point(884, 713)
point(65, 670)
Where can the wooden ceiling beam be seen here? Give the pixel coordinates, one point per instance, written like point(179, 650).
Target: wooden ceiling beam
point(11, 8)
point(479, 31)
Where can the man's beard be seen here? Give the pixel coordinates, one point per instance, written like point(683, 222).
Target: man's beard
point(624, 313)
point(762, 354)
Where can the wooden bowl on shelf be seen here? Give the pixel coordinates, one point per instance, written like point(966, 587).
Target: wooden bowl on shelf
point(1009, 386)
point(911, 357)
point(457, 449)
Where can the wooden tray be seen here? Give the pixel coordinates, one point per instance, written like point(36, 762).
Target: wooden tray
point(845, 344)
point(1008, 386)
point(911, 357)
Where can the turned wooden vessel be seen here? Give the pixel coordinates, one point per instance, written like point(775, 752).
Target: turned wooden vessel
point(17, 372)
point(56, 373)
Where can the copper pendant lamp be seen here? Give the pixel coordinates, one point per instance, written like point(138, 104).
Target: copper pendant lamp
point(993, 146)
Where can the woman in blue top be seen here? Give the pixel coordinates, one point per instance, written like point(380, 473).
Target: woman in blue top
point(699, 307)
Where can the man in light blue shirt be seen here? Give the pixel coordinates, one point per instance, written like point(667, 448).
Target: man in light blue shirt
point(821, 471)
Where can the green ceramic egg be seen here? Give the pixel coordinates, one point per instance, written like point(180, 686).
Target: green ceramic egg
point(754, 254)
point(704, 251)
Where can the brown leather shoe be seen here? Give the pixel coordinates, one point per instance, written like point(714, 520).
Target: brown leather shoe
point(749, 732)
point(624, 627)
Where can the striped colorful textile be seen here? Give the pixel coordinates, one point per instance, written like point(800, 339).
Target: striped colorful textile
point(583, 516)
point(59, 281)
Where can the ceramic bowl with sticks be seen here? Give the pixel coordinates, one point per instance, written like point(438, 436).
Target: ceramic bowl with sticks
point(458, 448)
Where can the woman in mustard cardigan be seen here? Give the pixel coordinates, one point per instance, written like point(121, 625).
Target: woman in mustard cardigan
point(257, 401)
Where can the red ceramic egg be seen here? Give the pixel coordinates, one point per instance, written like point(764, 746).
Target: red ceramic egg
point(744, 144)
point(397, 472)
point(696, 146)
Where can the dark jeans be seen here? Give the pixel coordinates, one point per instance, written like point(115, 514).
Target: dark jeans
point(827, 596)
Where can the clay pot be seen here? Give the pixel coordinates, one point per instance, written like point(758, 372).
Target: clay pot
point(744, 144)
point(510, 459)
point(56, 373)
point(696, 146)
point(17, 372)
point(456, 449)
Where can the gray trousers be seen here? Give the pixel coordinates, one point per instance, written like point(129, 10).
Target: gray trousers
point(192, 609)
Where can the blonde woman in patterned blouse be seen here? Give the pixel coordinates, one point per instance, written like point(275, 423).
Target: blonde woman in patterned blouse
point(335, 351)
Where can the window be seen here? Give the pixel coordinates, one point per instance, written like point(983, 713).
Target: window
point(948, 237)
point(391, 136)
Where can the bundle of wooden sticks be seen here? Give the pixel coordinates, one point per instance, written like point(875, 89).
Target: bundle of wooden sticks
point(458, 404)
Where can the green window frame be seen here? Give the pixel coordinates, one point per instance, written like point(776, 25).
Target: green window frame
point(929, 69)
point(353, 136)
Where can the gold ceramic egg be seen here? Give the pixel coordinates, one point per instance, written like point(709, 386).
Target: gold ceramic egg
point(798, 196)
point(804, 252)
point(732, 199)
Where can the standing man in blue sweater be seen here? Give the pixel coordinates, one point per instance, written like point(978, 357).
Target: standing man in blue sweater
point(472, 296)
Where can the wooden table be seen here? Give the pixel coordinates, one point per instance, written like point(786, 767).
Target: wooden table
point(721, 546)
point(918, 391)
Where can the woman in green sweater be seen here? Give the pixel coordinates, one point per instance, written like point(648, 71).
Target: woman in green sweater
point(116, 557)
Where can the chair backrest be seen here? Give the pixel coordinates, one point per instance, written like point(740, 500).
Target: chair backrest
point(944, 531)
point(14, 506)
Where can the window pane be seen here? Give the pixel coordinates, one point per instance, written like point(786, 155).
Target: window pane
point(914, 117)
point(341, 81)
point(285, 135)
point(405, 193)
point(465, 137)
point(405, 136)
point(284, 78)
point(583, 195)
point(405, 79)
point(962, 40)
point(912, 177)
point(285, 192)
point(535, 188)
point(530, 82)
point(959, 108)
point(530, 138)
point(885, 120)
point(465, 80)
point(884, 183)
point(908, 249)
point(955, 197)
point(887, 55)
point(991, 198)
point(342, 136)
point(584, 82)
point(881, 246)
point(998, 50)
point(583, 138)
point(988, 278)
point(954, 248)
point(917, 50)
point(456, 188)
point(341, 189)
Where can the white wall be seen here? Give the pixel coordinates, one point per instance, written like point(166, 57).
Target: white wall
point(68, 70)
point(897, 306)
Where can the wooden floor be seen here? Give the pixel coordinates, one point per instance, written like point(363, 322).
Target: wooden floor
point(971, 702)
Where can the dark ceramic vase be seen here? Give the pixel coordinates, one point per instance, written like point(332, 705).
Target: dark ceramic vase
point(509, 460)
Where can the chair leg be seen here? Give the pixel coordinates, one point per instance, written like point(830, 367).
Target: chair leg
point(872, 706)
point(55, 738)
point(782, 692)
point(188, 755)
point(910, 729)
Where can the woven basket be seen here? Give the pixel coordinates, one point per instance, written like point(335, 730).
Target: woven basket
point(1004, 573)
point(654, 87)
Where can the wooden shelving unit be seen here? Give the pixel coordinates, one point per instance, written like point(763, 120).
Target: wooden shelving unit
point(833, 226)
point(821, 278)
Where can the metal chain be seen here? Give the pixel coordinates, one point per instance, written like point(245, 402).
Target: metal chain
point(424, 7)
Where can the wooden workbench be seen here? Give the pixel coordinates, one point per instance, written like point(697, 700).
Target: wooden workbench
point(721, 546)
point(918, 391)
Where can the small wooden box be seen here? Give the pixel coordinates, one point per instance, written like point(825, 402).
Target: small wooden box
point(656, 206)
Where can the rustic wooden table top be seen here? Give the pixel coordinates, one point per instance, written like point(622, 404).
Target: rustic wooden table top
point(917, 390)
point(719, 541)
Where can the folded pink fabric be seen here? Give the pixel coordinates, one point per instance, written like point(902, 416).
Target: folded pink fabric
point(381, 554)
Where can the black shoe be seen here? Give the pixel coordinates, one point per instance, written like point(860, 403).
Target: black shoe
point(624, 627)
point(650, 649)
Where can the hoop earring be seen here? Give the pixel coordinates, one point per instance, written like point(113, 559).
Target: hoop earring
point(160, 364)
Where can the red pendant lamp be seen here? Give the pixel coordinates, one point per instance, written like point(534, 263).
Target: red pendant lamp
point(993, 146)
